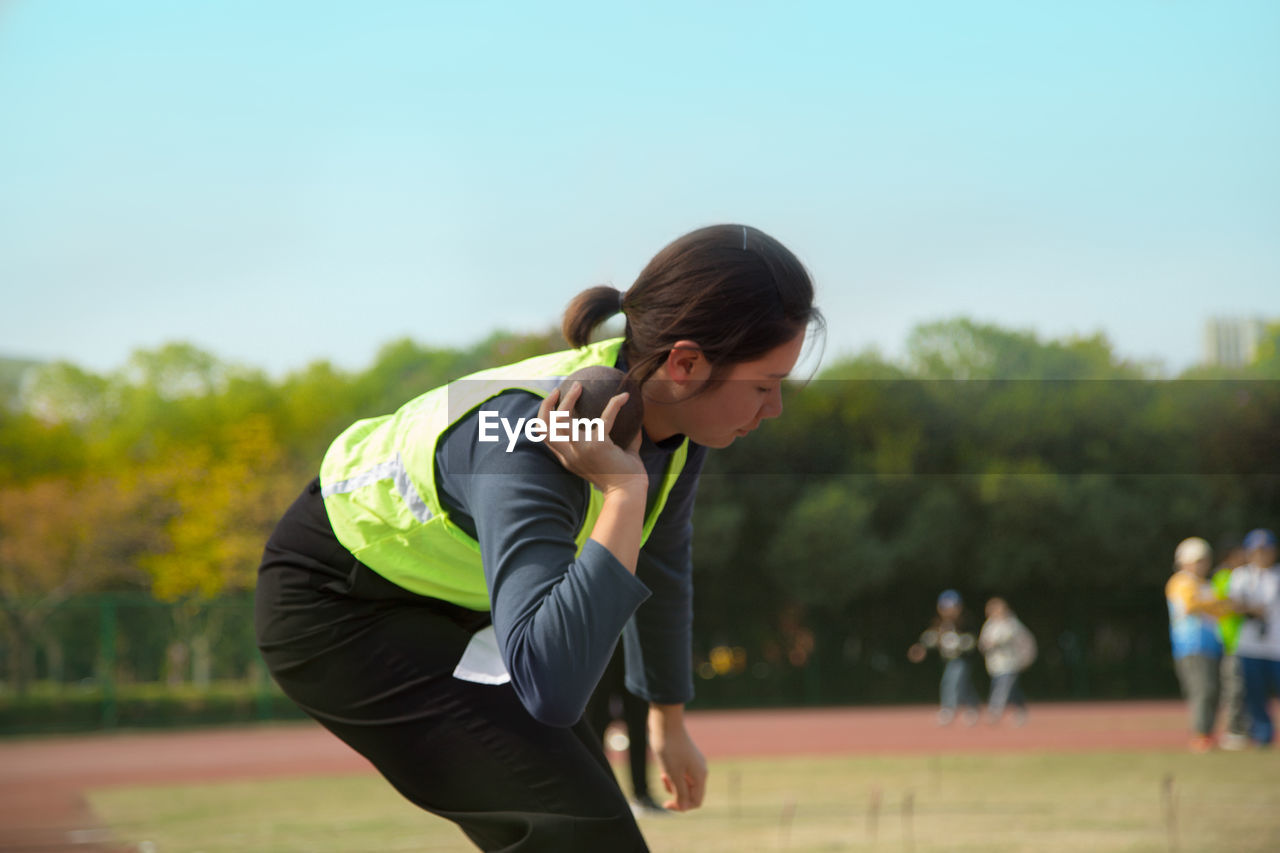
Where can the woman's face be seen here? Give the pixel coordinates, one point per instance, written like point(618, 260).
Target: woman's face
point(749, 392)
point(1201, 567)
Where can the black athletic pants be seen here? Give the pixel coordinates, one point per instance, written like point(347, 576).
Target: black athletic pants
point(374, 663)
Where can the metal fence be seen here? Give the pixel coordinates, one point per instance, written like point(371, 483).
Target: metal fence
point(109, 660)
point(126, 660)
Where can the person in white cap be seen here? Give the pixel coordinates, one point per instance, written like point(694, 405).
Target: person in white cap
point(1194, 609)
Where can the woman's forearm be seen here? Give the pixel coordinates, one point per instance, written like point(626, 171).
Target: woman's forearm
point(620, 523)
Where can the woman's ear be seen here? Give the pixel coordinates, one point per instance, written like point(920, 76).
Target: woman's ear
point(686, 363)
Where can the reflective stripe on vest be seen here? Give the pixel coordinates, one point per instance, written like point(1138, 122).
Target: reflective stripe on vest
point(394, 471)
point(378, 480)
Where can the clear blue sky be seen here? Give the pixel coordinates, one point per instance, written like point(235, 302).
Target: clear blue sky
point(280, 182)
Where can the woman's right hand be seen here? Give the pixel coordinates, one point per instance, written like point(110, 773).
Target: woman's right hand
point(604, 464)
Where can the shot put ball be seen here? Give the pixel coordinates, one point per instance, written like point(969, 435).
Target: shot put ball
point(599, 384)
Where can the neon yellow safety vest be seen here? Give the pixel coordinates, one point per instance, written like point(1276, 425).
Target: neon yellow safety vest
point(379, 486)
point(1228, 625)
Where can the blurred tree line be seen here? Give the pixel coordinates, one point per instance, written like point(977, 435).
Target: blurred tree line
point(1052, 473)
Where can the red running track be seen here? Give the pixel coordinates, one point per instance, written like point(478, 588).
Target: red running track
point(41, 780)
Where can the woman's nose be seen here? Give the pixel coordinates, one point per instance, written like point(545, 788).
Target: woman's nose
point(773, 405)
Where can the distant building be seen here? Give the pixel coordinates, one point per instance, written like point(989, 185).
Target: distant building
point(1232, 341)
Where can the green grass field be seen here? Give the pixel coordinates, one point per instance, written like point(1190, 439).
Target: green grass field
point(1095, 802)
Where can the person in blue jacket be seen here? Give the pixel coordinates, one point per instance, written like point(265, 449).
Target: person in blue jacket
point(445, 595)
point(952, 637)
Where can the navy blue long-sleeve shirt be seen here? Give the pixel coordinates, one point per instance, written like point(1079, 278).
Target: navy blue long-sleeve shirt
point(558, 614)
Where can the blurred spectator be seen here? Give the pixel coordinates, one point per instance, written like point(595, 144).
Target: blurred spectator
point(1009, 648)
point(612, 701)
point(950, 636)
point(1194, 609)
point(1255, 593)
point(1235, 734)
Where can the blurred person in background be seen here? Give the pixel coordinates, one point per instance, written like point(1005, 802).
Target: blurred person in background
point(950, 635)
point(1235, 719)
point(1194, 610)
point(1008, 648)
point(613, 701)
point(1255, 594)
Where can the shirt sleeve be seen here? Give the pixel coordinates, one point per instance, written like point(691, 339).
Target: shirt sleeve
point(658, 641)
point(993, 636)
point(557, 615)
point(1238, 586)
point(1181, 591)
point(1269, 592)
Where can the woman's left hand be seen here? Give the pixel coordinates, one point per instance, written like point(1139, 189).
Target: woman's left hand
point(684, 770)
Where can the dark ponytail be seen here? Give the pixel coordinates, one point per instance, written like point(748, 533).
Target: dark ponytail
point(732, 289)
point(589, 309)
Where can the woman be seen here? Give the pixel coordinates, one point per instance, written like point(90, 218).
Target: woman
point(445, 603)
point(1194, 609)
point(1008, 648)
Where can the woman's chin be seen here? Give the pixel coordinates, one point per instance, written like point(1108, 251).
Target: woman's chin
point(720, 442)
